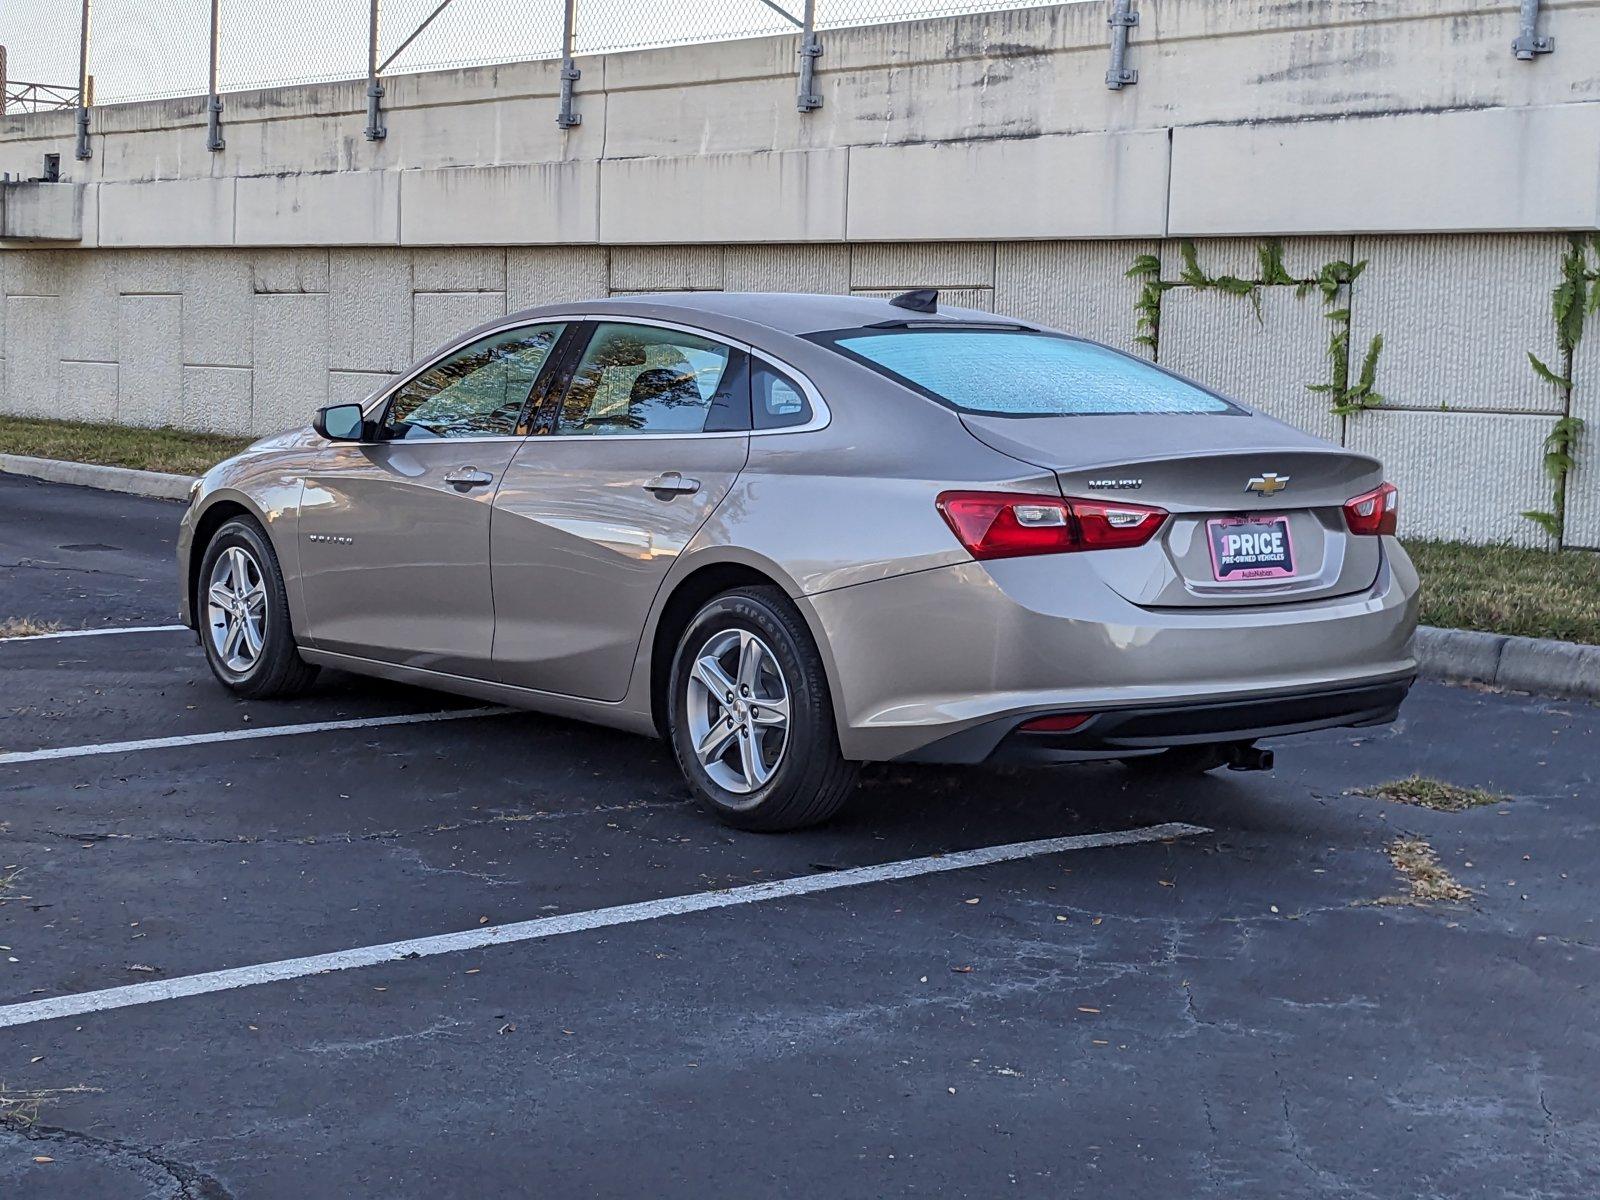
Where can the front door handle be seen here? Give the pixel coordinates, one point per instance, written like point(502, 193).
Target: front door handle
point(463, 478)
point(672, 483)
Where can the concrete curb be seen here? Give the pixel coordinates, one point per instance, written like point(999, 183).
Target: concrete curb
point(107, 479)
point(1523, 664)
point(1548, 668)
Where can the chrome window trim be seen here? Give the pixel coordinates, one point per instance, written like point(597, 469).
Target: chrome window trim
point(821, 416)
point(443, 441)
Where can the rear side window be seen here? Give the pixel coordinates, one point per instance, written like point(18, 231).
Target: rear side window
point(778, 401)
point(644, 379)
point(1006, 372)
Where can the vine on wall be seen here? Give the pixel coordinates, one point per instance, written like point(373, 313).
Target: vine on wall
point(1147, 308)
point(1347, 397)
point(1331, 280)
point(1574, 298)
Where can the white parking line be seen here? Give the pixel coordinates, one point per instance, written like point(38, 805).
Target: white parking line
point(245, 735)
point(156, 991)
point(67, 633)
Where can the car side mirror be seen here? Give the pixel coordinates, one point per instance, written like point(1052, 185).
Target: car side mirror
point(341, 423)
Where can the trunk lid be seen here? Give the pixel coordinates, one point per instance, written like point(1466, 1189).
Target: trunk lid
point(1200, 468)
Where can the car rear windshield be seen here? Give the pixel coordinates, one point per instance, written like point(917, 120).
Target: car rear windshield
point(1010, 372)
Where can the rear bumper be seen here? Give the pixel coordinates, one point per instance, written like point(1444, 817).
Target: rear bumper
point(1121, 732)
point(916, 660)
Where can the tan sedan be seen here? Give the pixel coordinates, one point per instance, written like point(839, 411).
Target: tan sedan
point(795, 533)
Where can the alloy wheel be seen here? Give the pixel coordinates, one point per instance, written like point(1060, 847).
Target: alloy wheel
point(236, 609)
point(738, 709)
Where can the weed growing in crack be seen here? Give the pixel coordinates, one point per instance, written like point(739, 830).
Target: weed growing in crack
point(16, 627)
point(1433, 793)
point(19, 1107)
point(1427, 879)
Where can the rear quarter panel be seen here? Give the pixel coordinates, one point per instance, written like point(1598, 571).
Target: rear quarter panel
point(855, 501)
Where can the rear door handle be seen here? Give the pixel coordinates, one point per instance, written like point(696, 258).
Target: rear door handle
point(672, 483)
point(463, 478)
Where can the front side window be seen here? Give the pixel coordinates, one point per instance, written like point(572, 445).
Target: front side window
point(642, 379)
point(478, 391)
point(1005, 372)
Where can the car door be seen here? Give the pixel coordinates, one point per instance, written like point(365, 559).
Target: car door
point(394, 534)
point(635, 454)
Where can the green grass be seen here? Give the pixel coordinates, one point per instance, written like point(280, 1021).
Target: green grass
point(1432, 793)
point(173, 450)
point(1503, 589)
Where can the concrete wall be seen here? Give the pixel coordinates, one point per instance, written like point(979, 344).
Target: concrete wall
point(164, 284)
point(1249, 117)
point(237, 341)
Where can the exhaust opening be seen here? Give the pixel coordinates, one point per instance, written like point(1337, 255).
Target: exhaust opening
point(1246, 756)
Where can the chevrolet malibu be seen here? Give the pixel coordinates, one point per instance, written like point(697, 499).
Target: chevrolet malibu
point(791, 534)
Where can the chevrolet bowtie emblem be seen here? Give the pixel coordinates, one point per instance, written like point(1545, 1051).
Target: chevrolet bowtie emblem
point(1268, 484)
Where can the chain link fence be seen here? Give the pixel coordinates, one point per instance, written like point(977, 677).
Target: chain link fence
point(150, 49)
point(80, 54)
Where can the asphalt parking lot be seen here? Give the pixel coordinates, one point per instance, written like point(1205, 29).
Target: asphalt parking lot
point(1220, 1010)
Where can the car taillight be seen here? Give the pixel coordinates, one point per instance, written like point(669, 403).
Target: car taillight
point(1010, 525)
point(1374, 512)
point(1056, 723)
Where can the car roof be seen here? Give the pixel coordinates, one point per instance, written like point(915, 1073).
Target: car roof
point(733, 313)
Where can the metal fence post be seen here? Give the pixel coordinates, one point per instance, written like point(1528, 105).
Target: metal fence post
point(376, 129)
point(1122, 19)
point(214, 140)
point(85, 95)
point(810, 50)
point(1528, 42)
point(570, 74)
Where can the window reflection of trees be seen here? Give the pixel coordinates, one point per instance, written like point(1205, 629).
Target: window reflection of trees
point(478, 392)
point(634, 379)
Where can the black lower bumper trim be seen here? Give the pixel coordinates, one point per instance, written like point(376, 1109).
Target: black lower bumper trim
point(1155, 727)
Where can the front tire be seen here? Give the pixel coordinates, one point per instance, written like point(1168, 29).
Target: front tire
point(750, 717)
point(242, 612)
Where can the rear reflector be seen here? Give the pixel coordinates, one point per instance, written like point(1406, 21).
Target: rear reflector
point(1055, 723)
point(1010, 524)
point(1375, 512)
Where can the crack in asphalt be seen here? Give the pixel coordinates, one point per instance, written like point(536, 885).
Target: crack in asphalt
point(421, 864)
point(1293, 1133)
point(1332, 1183)
point(1189, 1009)
point(1208, 1156)
point(1570, 941)
point(190, 1182)
point(366, 1045)
point(342, 839)
point(28, 565)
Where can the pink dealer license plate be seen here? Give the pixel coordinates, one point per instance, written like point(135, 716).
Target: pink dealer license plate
point(1250, 548)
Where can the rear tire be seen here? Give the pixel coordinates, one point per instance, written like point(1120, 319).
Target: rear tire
point(1178, 760)
point(242, 612)
point(750, 717)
